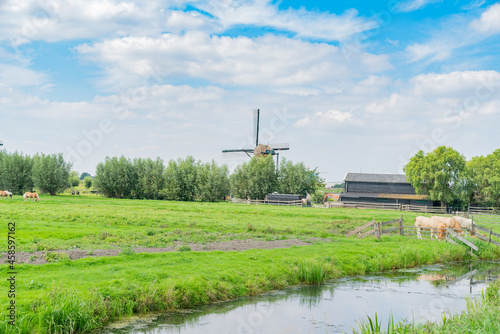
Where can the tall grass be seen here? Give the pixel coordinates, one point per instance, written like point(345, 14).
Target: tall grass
point(480, 317)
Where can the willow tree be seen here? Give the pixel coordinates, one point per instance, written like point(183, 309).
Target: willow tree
point(440, 174)
point(485, 174)
point(255, 179)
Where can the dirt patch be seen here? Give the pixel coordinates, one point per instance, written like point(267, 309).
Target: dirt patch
point(225, 246)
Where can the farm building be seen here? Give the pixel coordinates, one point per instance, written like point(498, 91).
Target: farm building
point(282, 199)
point(381, 189)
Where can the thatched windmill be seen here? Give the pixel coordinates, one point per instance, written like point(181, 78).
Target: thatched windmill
point(260, 150)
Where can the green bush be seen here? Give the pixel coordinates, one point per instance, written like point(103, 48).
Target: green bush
point(87, 182)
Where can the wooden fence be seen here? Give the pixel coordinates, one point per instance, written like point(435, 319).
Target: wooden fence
point(267, 202)
point(483, 210)
point(377, 229)
point(392, 206)
point(452, 235)
point(490, 234)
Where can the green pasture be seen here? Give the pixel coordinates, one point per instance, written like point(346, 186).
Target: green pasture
point(91, 222)
point(80, 296)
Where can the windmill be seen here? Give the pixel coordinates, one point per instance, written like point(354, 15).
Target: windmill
point(260, 150)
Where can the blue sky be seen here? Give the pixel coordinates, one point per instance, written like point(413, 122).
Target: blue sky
point(350, 85)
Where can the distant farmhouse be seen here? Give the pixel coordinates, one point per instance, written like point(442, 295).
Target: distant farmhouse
point(382, 189)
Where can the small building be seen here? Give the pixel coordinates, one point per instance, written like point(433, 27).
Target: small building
point(381, 189)
point(283, 199)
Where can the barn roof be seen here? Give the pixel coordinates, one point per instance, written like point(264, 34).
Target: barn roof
point(375, 178)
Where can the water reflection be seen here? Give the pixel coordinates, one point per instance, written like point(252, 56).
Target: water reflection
point(419, 294)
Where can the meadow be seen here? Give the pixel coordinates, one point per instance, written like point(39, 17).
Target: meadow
point(79, 296)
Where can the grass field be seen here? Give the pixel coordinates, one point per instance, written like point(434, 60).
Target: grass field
point(79, 296)
point(90, 222)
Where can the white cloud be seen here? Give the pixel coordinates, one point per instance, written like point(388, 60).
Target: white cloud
point(21, 22)
point(52, 21)
point(334, 116)
point(21, 77)
point(434, 51)
point(264, 13)
point(324, 119)
point(412, 5)
point(490, 108)
point(457, 84)
point(266, 62)
point(489, 22)
point(178, 21)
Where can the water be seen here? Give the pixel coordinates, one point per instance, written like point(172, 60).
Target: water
point(419, 295)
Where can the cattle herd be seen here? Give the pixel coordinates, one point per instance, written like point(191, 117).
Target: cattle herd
point(26, 196)
point(438, 225)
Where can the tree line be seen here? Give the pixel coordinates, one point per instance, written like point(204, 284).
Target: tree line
point(446, 176)
point(191, 180)
point(20, 173)
point(179, 180)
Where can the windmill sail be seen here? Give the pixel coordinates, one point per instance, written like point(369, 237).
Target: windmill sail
point(256, 121)
point(260, 149)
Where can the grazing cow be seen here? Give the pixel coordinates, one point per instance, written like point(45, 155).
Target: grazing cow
point(421, 221)
point(31, 195)
point(466, 223)
point(450, 222)
point(442, 231)
point(5, 194)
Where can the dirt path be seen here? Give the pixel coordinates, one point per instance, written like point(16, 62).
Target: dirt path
point(225, 246)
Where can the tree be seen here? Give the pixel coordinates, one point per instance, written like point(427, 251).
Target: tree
point(16, 172)
point(213, 182)
point(239, 182)
point(84, 174)
point(51, 173)
point(440, 174)
point(255, 179)
point(74, 179)
point(116, 177)
point(181, 179)
point(87, 182)
point(150, 178)
point(298, 179)
point(485, 176)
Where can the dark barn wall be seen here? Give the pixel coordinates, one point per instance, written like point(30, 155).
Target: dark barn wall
point(386, 201)
point(384, 188)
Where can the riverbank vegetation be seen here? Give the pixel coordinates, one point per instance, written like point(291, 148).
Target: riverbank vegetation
point(481, 316)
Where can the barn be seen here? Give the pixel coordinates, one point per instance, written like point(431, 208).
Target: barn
point(382, 189)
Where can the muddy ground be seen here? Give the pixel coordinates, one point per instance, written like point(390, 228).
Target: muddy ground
point(226, 246)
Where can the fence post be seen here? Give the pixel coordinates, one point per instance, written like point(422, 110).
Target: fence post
point(401, 228)
point(377, 230)
point(472, 228)
point(489, 238)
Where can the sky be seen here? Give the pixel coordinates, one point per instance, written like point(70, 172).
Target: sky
point(351, 86)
